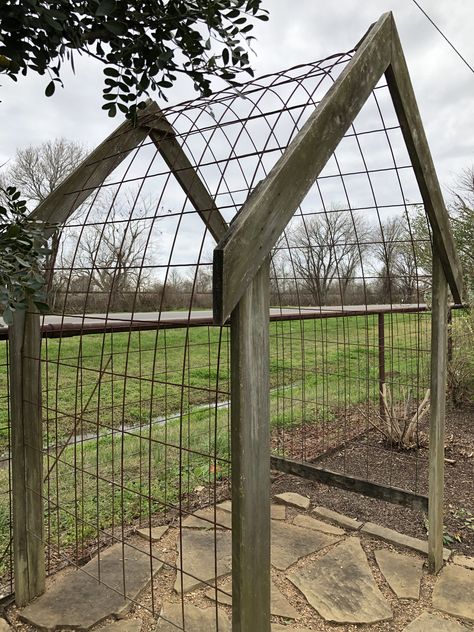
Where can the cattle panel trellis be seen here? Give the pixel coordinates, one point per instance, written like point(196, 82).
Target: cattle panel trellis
point(134, 411)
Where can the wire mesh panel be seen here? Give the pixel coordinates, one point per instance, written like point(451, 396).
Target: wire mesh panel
point(6, 561)
point(135, 377)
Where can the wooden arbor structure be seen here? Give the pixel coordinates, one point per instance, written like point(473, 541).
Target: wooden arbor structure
point(241, 291)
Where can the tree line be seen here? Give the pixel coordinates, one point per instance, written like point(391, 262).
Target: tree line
point(337, 257)
point(333, 256)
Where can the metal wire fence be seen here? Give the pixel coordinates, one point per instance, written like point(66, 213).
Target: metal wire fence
point(136, 381)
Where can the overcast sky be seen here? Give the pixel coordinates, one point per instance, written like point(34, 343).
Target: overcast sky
point(298, 31)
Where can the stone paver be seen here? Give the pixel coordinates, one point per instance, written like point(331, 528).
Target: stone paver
point(4, 626)
point(340, 586)
point(454, 592)
point(204, 519)
point(464, 560)
point(199, 558)
point(293, 499)
point(427, 622)
point(340, 519)
point(225, 505)
point(277, 512)
point(290, 543)
point(195, 619)
point(276, 627)
point(279, 606)
point(394, 537)
point(79, 601)
point(318, 525)
point(154, 534)
point(402, 572)
point(124, 625)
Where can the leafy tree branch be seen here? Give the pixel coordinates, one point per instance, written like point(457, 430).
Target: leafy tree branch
point(23, 249)
point(143, 46)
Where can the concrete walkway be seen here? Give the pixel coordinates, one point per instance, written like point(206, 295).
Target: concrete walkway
point(329, 572)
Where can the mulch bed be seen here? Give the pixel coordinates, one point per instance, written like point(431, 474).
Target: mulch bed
point(367, 456)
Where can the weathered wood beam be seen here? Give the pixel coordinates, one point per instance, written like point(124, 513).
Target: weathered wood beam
point(270, 207)
point(311, 472)
point(403, 96)
point(250, 435)
point(27, 455)
point(439, 345)
point(185, 173)
point(92, 172)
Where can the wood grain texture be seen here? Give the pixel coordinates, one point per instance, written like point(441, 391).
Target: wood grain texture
point(311, 472)
point(437, 422)
point(269, 208)
point(94, 169)
point(27, 456)
point(403, 96)
point(250, 433)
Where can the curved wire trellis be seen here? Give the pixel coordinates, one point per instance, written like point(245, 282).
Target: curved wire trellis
point(135, 376)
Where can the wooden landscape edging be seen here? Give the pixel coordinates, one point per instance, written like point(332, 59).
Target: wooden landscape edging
point(312, 472)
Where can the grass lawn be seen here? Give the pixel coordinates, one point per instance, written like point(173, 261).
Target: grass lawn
point(122, 387)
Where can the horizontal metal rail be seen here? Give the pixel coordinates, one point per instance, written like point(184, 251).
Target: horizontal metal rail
point(124, 325)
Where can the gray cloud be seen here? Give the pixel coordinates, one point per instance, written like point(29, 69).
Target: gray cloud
point(298, 31)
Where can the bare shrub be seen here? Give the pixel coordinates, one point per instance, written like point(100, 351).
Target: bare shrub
point(400, 420)
point(460, 374)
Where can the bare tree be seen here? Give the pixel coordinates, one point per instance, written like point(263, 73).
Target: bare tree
point(326, 252)
point(112, 251)
point(395, 253)
point(37, 171)
point(388, 237)
point(462, 218)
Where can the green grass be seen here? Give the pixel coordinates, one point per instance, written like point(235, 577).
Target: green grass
point(103, 382)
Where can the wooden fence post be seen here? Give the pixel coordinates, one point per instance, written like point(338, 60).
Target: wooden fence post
point(251, 457)
point(381, 345)
point(27, 455)
point(438, 405)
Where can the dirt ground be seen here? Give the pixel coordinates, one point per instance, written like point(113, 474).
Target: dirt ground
point(368, 457)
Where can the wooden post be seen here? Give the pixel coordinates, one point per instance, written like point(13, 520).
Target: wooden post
point(450, 334)
point(438, 403)
point(251, 457)
point(27, 455)
point(381, 332)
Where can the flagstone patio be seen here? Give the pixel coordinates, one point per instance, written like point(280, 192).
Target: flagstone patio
point(316, 552)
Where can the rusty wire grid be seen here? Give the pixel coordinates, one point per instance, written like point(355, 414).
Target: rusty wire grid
point(135, 376)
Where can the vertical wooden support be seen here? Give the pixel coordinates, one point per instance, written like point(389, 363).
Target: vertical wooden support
point(450, 334)
point(381, 341)
point(438, 404)
point(27, 455)
point(251, 457)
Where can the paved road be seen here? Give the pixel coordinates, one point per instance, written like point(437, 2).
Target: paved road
point(184, 316)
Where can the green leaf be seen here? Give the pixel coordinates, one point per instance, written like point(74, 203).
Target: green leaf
point(50, 88)
point(111, 72)
point(117, 28)
point(43, 307)
point(8, 315)
point(106, 7)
